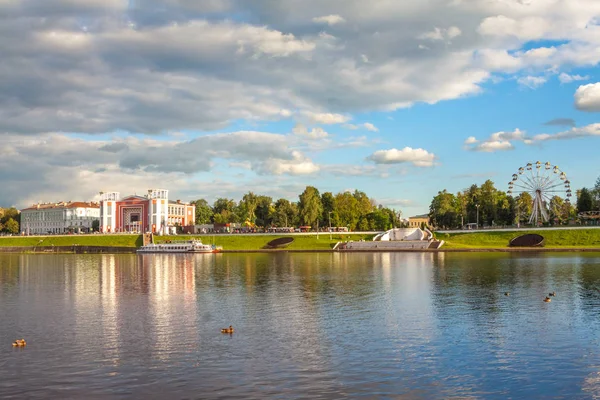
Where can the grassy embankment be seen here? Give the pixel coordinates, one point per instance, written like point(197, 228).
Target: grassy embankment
point(229, 242)
point(256, 242)
point(70, 240)
point(559, 239)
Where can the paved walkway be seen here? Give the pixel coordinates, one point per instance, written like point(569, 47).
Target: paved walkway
point(518, 229)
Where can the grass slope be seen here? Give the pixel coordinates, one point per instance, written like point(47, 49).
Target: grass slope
point(579, 238)
point(256, 242)
point(69, 240)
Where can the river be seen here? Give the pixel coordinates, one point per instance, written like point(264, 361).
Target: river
point(397, 325)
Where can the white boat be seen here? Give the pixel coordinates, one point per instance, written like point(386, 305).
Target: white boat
point(188, 246)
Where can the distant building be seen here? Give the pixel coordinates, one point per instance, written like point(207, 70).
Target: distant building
point(134, 213)
point(417, 220)
point(180, 214)
point(64, 217)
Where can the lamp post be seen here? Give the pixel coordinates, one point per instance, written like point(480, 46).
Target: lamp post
point(477, 205)
point(329, 215)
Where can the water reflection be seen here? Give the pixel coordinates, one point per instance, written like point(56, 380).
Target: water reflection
point(330, 325)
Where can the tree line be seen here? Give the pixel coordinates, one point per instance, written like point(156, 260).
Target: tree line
point(487, 206)
point(9, 220)
point(354, 210)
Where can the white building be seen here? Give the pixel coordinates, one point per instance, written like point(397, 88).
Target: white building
point(45, 218)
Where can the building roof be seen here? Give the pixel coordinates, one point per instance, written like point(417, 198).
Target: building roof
point(422, 216)
point(61, 205)
point(134, 196)
point(181, 203)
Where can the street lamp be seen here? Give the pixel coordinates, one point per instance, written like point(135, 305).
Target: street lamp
point(329, 215)
point(477, 205)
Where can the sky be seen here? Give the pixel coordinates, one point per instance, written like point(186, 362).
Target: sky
point(216, 98)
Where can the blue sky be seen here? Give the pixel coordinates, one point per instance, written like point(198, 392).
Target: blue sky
point(217, 98)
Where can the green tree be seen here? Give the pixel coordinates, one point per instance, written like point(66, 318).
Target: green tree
point(505, 209)
point(472, 196)
point(96, 225)
point(8, 213)
point(310, 207)
point(247, 207)
point(524, 207)
point(224, 211)
point(286, 213)
point(11, 226)
point(443, 210)
point(327, 200)
point(379, 220)
point(488, 202)
point(584, 200)
point(346, 210)
point(204, 212)
point(596, 195)
point(265, 211)
point(559, 210)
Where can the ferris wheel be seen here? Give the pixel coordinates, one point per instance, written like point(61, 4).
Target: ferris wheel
point(542, 182)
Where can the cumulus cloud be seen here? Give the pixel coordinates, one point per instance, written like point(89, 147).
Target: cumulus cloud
point(418, 157)
point(161, 66)
point(315, 133)
point(298, 165)
point(498, 141)
point(587, 97)
point(29, 167)
point(326, 118)
point(154, 66)
point(332, 19)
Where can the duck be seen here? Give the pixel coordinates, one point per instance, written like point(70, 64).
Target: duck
point(552, 294)
point(506, 293)
point(547, 299)
point(227, 330)
point(19, 343)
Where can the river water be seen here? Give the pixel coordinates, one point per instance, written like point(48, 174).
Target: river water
point(413, 326)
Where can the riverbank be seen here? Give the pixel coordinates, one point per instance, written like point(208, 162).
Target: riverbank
point(469, 241)
point(553, 239)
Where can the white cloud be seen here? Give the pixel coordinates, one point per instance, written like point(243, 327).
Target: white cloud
point(367, 125)
point(418, 157)
point(441, 34)
point(31, 167)
point(315, 133)
point(299, 165)
point(326, 118)
point(370, 127)
point(585, 131)
point(332, 19)
point(587, 97)
point(532, 82)
point(566, 78)
point(498, 141)
point(526, 28)
point(493, 146)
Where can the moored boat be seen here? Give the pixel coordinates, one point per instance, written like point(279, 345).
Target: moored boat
point(188, 246)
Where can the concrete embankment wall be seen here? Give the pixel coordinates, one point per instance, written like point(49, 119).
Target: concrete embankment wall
point(388, 245)
point(68, 249)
